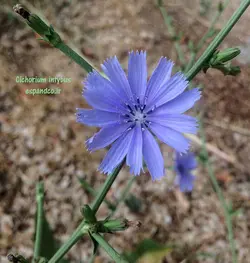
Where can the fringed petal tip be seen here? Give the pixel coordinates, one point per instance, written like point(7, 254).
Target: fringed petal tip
point(88, 145)
point(197, 93)
point(166, 61)
point(108, 61)
point(102, 170)
point(157, 179)
point(137, 52)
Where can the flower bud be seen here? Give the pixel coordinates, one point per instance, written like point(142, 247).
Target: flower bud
point(225, 55)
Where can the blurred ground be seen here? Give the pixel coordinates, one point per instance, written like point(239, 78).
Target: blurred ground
point(39, 136)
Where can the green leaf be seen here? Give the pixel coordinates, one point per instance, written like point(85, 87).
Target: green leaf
point(95, 244)
point(148, 251)
point(49, 245)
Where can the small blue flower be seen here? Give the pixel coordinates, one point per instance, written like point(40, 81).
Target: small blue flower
point(129, 110)
point(184, 163)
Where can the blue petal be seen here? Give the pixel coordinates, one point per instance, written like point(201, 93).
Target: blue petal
point(178, 122)
point(185, 181)
point(188, 160)
point(106, 136)
point(152, 156)
point(117, 152)
point(112, 68)
point(137, 74)
point(174, 87)
point(100, 94)
point(134, 157)
point(97, 117)
point(172, 138)
point(181, 103)
point(159, 78)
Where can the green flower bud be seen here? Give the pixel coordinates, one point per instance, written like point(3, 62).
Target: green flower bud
point(113, 225)
point(225, 55)
point(35, 22)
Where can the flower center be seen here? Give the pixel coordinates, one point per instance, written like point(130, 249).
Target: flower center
point(137, 113)
point(139, 116)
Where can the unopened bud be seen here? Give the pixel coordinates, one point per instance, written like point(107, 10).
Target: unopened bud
point(225, 55)
point(109, 226)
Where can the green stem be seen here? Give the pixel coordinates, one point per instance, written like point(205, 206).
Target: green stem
point(39, 220)
point(49, 35)
point(76, 236)
point(206, 36)
point(211, 28)
point(217, 40)
point(82, 228)
point(93, 192)
point(107, 185)
point(124, 193)
point(108, 248)
point(168, 23)
point(190, 62)
point(74, 56)
point(227, 215)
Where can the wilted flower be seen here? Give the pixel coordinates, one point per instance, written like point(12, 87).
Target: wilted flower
point(129, 109)
point(184, 163)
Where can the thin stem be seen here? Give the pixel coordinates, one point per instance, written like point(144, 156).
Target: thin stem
point(206, 36)
point(124, 193)
point(190, 62)
point(93, 192)
point(39, 220)
point(168, 23)
point(211, 28)
point(122, 198)
point(76, 236)
point(217, 40)
point(107, 185)
point(227, 215)
point(49, 35)
point(108, 248)
point(81, 229)
point(83, 62)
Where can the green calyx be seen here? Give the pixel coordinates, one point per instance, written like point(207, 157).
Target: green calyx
point(47, 33)
point(224, 56)
point(103, 226)
point(221, 60)
point(113, 225)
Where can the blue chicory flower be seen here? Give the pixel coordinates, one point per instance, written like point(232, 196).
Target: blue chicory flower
point(129, 110)
point(184, 163)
